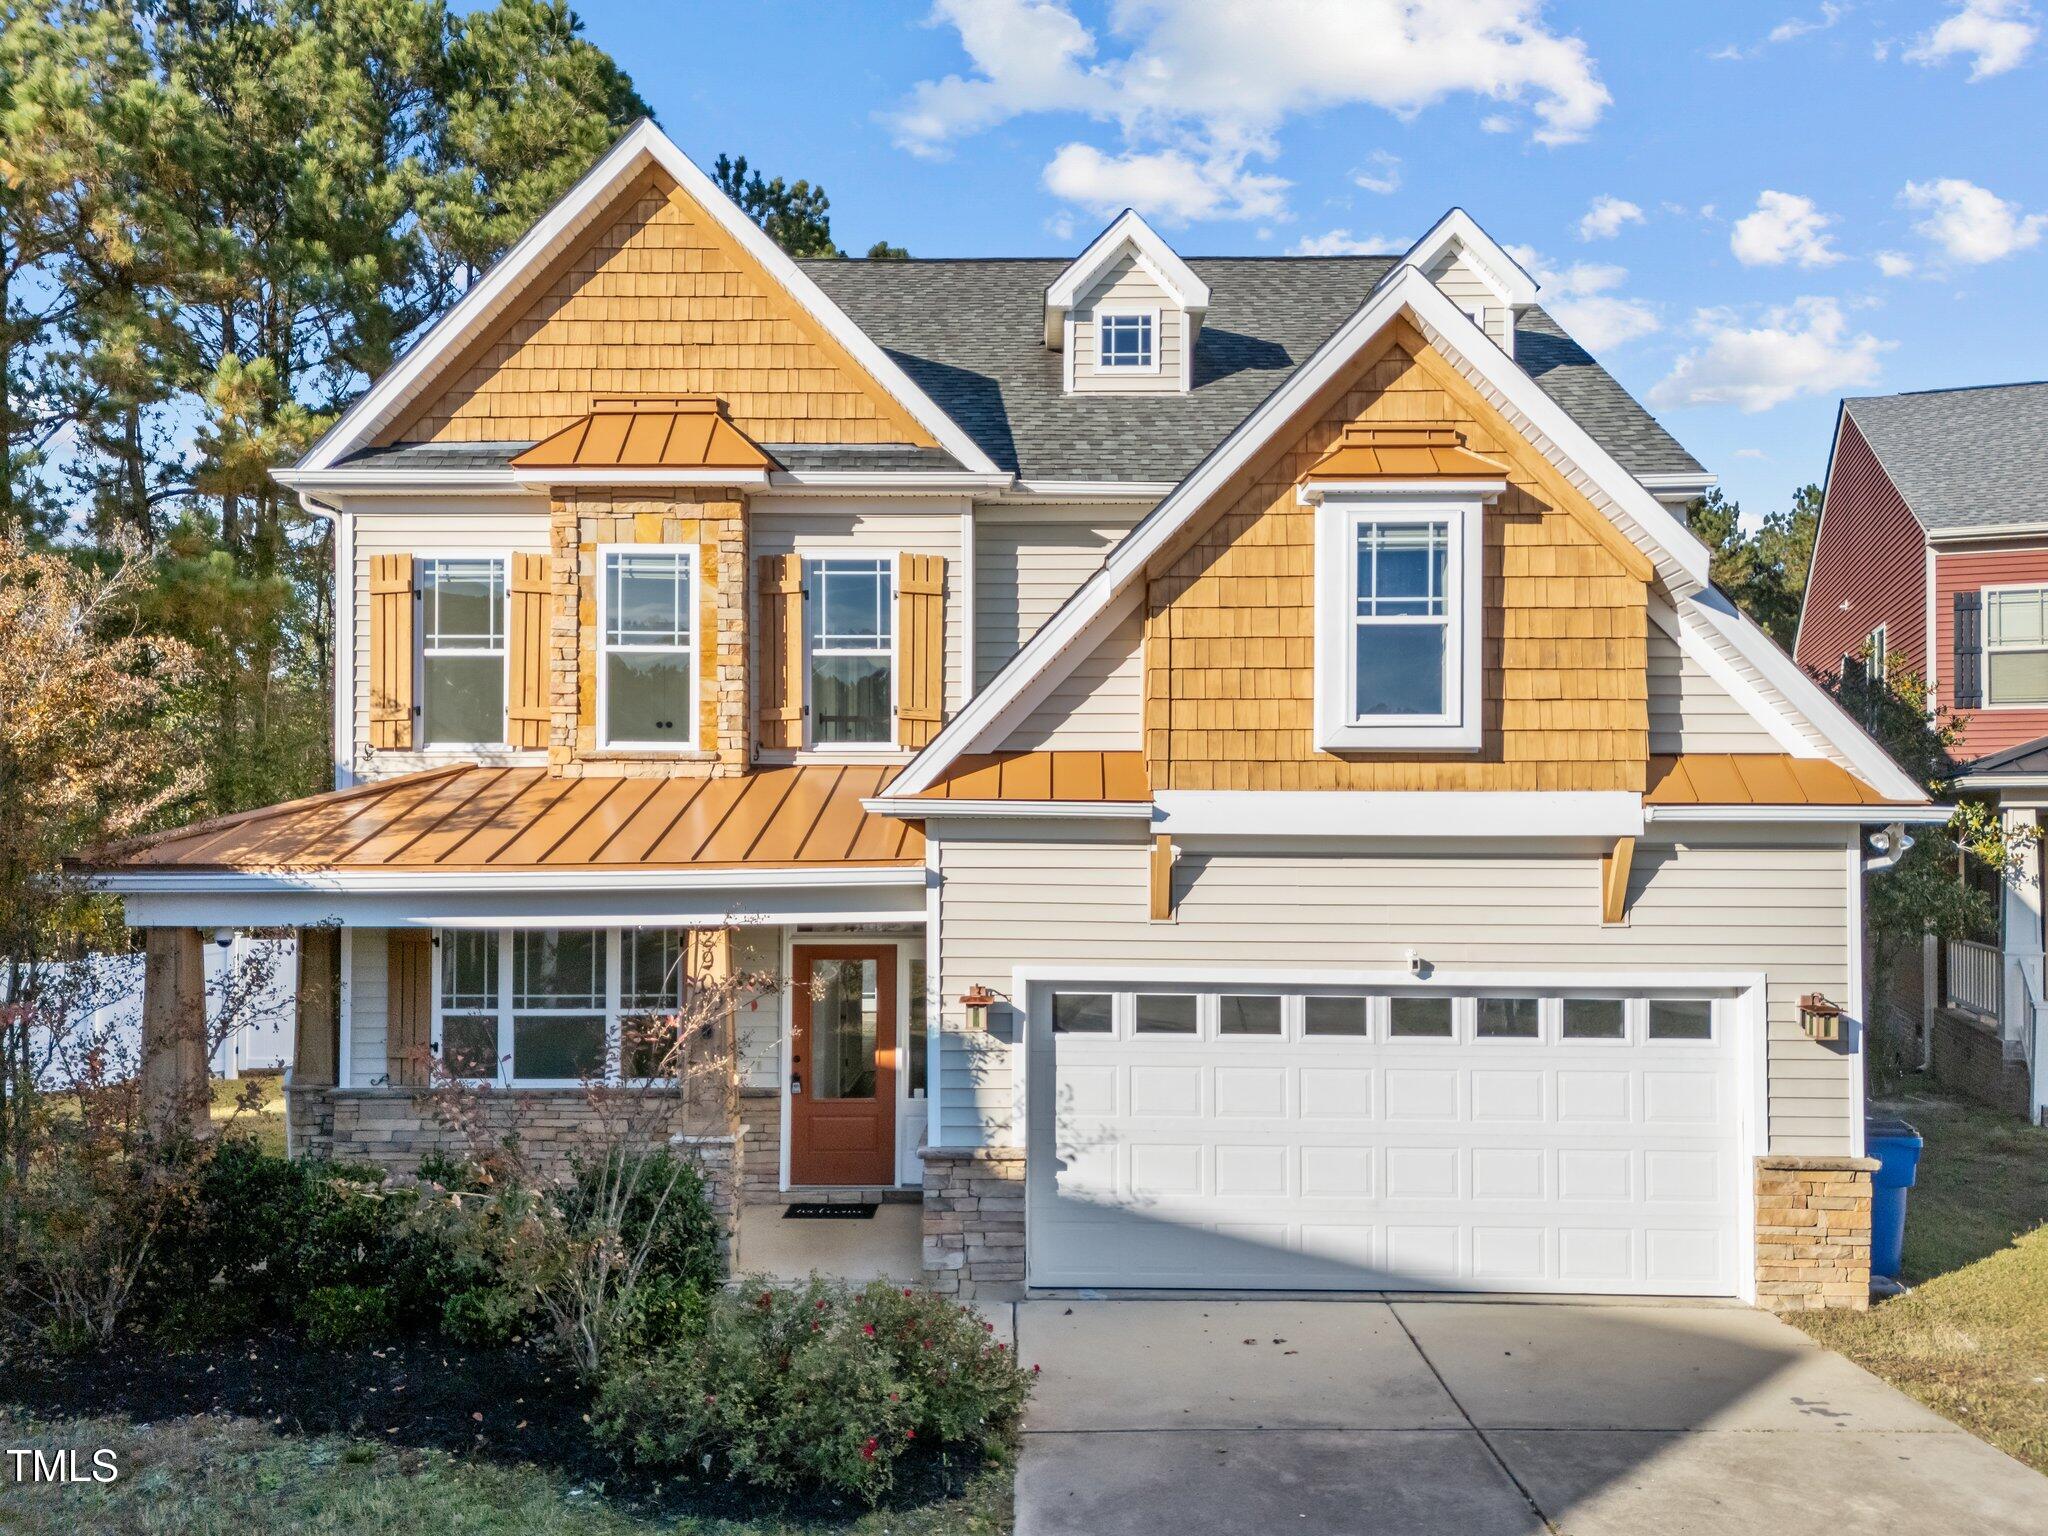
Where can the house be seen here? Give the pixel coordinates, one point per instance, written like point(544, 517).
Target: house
point(1239, 760)
point(1932, 553)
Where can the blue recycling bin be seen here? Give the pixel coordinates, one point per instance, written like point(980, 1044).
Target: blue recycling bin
point(1896, 1146)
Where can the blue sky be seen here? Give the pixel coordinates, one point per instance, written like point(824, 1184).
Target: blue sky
point(1747, 210)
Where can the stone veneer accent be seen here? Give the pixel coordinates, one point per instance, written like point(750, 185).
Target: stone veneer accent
point(974, 1221)
point(1813, 1232)
point(760, 1146)
point(714, 521)
point(391, 1128)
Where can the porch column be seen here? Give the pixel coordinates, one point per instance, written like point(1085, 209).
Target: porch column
point(173, 1077)
point(2020, 925)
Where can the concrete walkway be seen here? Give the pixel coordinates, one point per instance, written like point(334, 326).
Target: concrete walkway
point(1392, 1417)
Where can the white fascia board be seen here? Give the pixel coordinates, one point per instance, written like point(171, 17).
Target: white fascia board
point(1014, 810)
point(1850, 743)
point(1086, 490)
point(1516, 287)
point(1312, 492)
point(1507, 979)
point(529, 909)
point(1808, 815)
point(503, 284)
point(1152, 252)
point(400, 482)
point(1683, 559)
point(1435, 814)
point(1983, 531)
point(542, 479)
point(889, 482)
point(1697, 482)
point(2029, 784)
point(436, 882)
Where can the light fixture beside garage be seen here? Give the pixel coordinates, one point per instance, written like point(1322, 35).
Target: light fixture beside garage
point(977, 1000)
point(1821, 1019)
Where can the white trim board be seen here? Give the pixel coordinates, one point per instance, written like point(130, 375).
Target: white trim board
point(498, 289)
point(1398, 814)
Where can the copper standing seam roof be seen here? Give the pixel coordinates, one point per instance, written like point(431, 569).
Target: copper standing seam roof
point(1754, 778)
point(1373, 451)
point(473, 818)
point(648, 432)
point(1071, 777)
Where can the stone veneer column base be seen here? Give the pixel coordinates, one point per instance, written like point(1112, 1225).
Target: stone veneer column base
point(974, 1221)
point(1813, 1232)
point(760, 1146)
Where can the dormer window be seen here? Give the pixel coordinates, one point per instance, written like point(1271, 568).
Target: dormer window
point(1127, 341)
point(1405, 636)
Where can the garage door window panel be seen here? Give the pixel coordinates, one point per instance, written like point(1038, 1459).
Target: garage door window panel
point(1239, 1015)
point(1083, 1013)
point(1420, 1018)
point(1336, 1018)
point(1166, 1013)
point(1509, 1018)
point(1687, 1020)
point(1584, 1019)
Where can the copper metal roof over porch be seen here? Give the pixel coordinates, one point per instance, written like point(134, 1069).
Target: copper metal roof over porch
point(486, 820)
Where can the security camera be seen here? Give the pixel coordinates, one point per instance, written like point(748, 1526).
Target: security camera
point(1416, 964)
point(223, 937)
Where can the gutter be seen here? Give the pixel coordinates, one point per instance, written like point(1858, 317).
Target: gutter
point(159, 882)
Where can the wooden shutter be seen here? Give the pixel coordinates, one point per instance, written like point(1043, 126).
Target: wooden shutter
point(782, 651)
point(391, 622)
point(1969, 656)
point(527, 720)
point(410, 1014)
point(317, 1047)
point(920, 648)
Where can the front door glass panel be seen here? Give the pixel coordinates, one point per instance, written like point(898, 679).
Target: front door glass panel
point(844, 1012)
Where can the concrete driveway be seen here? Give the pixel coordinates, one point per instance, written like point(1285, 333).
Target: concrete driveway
point(1481, 1418)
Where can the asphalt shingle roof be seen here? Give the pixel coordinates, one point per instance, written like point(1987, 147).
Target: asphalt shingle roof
point(1963, 458)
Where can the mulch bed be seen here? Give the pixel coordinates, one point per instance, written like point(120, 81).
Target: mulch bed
point(512, 1405)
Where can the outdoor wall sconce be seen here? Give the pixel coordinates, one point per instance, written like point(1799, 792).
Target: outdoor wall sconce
point(1821, 1019)
point(977, 1000)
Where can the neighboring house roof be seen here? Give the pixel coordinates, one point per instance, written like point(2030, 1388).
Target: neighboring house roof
point(1755, 778)
point(509, 820)
point(971, 334)
point(1963, 458)
point(2028, 759)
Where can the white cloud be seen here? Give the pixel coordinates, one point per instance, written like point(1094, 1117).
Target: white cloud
point(1167, 183)
point(1785, 227)
point(1497, 122)
point(1582, 298)
point(1751, 453)
point(1996, 34)
point(1385, 176)
point(1341, 242)
point(1970, 223)
point(1605, 218)
point(1788, 30)
point(1803, 348)
point(1211, 82)
point(1894, 263)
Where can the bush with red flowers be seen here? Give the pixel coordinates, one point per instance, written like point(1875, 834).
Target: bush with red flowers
point(814, 1387)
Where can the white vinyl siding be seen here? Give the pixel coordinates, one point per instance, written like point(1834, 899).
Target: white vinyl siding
point(1775, 903)
point(424, 529)
point(369, 1004)
point(758, 952)
point(1098, 706)
point(1454, 275)
point(1024, 570)
point(1691, 712)
point(1126, 286)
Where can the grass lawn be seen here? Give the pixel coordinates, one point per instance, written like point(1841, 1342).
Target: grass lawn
point(227, 1477)
point(264, 1120)
point(1971, 1340)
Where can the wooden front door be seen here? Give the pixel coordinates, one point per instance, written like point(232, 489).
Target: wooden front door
point(842, 1065)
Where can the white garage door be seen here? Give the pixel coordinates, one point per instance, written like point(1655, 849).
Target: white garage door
point(1270, 1139)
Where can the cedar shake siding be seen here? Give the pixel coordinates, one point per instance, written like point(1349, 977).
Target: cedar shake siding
point(1871, 555)
point(1985, 729)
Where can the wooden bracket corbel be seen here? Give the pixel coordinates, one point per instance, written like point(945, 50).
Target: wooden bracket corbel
point(1162, 878)
point(1614, 867)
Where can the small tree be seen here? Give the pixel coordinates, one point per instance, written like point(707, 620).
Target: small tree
point(796, 216)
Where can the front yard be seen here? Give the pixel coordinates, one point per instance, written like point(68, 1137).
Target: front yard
point(1971, 1341)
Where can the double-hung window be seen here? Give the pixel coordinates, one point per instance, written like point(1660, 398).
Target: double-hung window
point(462, 651)
point(558, 1004)
point(2016, 645)
point(647, 696)
point(852, 652)
point(1127, 341)
point(1398, 626)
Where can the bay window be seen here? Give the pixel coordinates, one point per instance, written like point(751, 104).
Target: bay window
point(647, 671)
point(1398, 617)
point(556, 1006)
point(852, 652)
point(2016, 645)
point(462, 651)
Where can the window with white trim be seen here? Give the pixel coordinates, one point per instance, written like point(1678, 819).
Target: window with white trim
point(1398, 623)
point(539, 1007)
point(852, 651)
point(2016, 645)
point(647, 677)
point(1127, 342)
point(462, 651)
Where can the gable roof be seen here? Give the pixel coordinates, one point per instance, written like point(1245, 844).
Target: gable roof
point(498, 290)
point(1126, 232)
point(1457, 232)
point(1962, 458)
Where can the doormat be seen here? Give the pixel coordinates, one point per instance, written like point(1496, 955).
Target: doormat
point(821, 1212)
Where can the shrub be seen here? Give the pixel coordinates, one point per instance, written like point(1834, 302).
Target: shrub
point(482, 1315)
point(341, 1315)
point(814, 1386)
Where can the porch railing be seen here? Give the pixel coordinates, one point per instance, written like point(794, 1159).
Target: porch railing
point(1976, 979)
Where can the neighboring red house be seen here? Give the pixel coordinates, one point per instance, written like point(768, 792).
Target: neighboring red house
point(1935, 520)
point(1934, 527)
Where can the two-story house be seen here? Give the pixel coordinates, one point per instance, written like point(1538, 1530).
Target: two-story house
point(1239, 762)
point(1932, 553)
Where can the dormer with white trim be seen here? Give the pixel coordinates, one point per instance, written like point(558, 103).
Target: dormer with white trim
point(1125, 314)
point(1476, 274)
